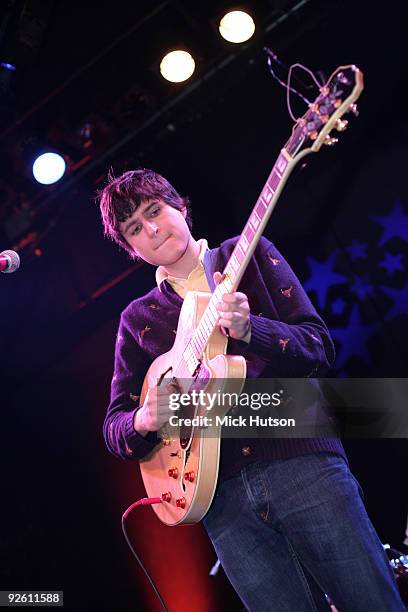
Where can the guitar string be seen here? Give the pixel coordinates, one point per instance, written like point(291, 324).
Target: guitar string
point(272, 57)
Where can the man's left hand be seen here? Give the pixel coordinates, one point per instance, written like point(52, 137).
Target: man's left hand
point(234, 312)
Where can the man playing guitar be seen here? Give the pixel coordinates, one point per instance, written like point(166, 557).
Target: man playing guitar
point(287, 520)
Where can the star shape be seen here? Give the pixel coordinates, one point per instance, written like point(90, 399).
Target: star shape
point(323, 277)
point(395, 224)
point(338, 306)
point(353, 339)
point(362, 287)
point(357, 250)
point(392, 263)
point(400, 297)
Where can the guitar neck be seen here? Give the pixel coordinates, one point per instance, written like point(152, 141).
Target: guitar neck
point(240, 257)
point(309, 133)
point(254, 228)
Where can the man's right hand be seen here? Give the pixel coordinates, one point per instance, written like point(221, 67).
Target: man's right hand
point(155, 411)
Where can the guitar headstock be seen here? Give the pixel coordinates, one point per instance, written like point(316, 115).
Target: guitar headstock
point(337, 97)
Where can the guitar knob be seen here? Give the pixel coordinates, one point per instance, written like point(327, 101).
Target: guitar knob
point(181, 502)
point(329, 140)
point(189, 476)
point(341, 125)
point(173, 472)
point(166, 497)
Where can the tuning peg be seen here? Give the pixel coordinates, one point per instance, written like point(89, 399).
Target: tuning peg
point(353, 108)
point(329, 140)
point(341, 125)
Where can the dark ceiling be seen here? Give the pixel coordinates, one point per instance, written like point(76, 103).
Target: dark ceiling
point(87, 83)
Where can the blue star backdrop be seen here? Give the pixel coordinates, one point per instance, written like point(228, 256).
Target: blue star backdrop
point(366, 308)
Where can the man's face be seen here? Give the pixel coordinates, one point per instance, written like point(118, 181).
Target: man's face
point(157, 232)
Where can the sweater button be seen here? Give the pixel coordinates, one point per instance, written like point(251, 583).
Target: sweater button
point(246, 451)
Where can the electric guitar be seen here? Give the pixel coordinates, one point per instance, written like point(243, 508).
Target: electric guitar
point(182, 470)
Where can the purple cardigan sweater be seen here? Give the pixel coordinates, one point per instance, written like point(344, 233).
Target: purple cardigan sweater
point(288, 339)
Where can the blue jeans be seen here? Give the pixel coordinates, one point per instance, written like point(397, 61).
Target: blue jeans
point(289, 530)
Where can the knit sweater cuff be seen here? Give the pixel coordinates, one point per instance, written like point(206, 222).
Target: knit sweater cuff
point(260, 334)
point(138, 444)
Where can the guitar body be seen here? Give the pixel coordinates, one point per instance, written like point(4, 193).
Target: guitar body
point(199, 458)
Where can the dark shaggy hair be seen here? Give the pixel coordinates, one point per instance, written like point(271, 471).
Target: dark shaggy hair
point(123, 195)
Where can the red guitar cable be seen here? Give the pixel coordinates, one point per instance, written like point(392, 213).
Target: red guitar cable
point(145, 501)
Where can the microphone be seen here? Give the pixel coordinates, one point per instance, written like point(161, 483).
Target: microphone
point(9, 262)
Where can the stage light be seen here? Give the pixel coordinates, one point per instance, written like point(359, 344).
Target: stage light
point(237, 26)
point(177, 66)
point(48, 168)
point(8, 66)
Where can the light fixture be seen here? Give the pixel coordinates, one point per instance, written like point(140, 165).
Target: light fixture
point(8, 66)
point(48, 168)
point(237, 26)
point(177, 66)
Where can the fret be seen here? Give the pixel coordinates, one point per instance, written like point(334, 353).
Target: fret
point(207, 327)
point(212, 316)
point(196, 346)
point(212, 309)
point(244, 243)
point(260, 210)
point(228, 283)
point(249, 232)
point(274, 180)
point(267, 193)
point(200, 345)
point(229, 271)
point(281, 164)
point(234, 262)
point(218, 293)
point(255, 219)
point(223, 291)
point(238, 254)
point(190, 359)
point(200, 334)
point(196, 342)
point(241, 249)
